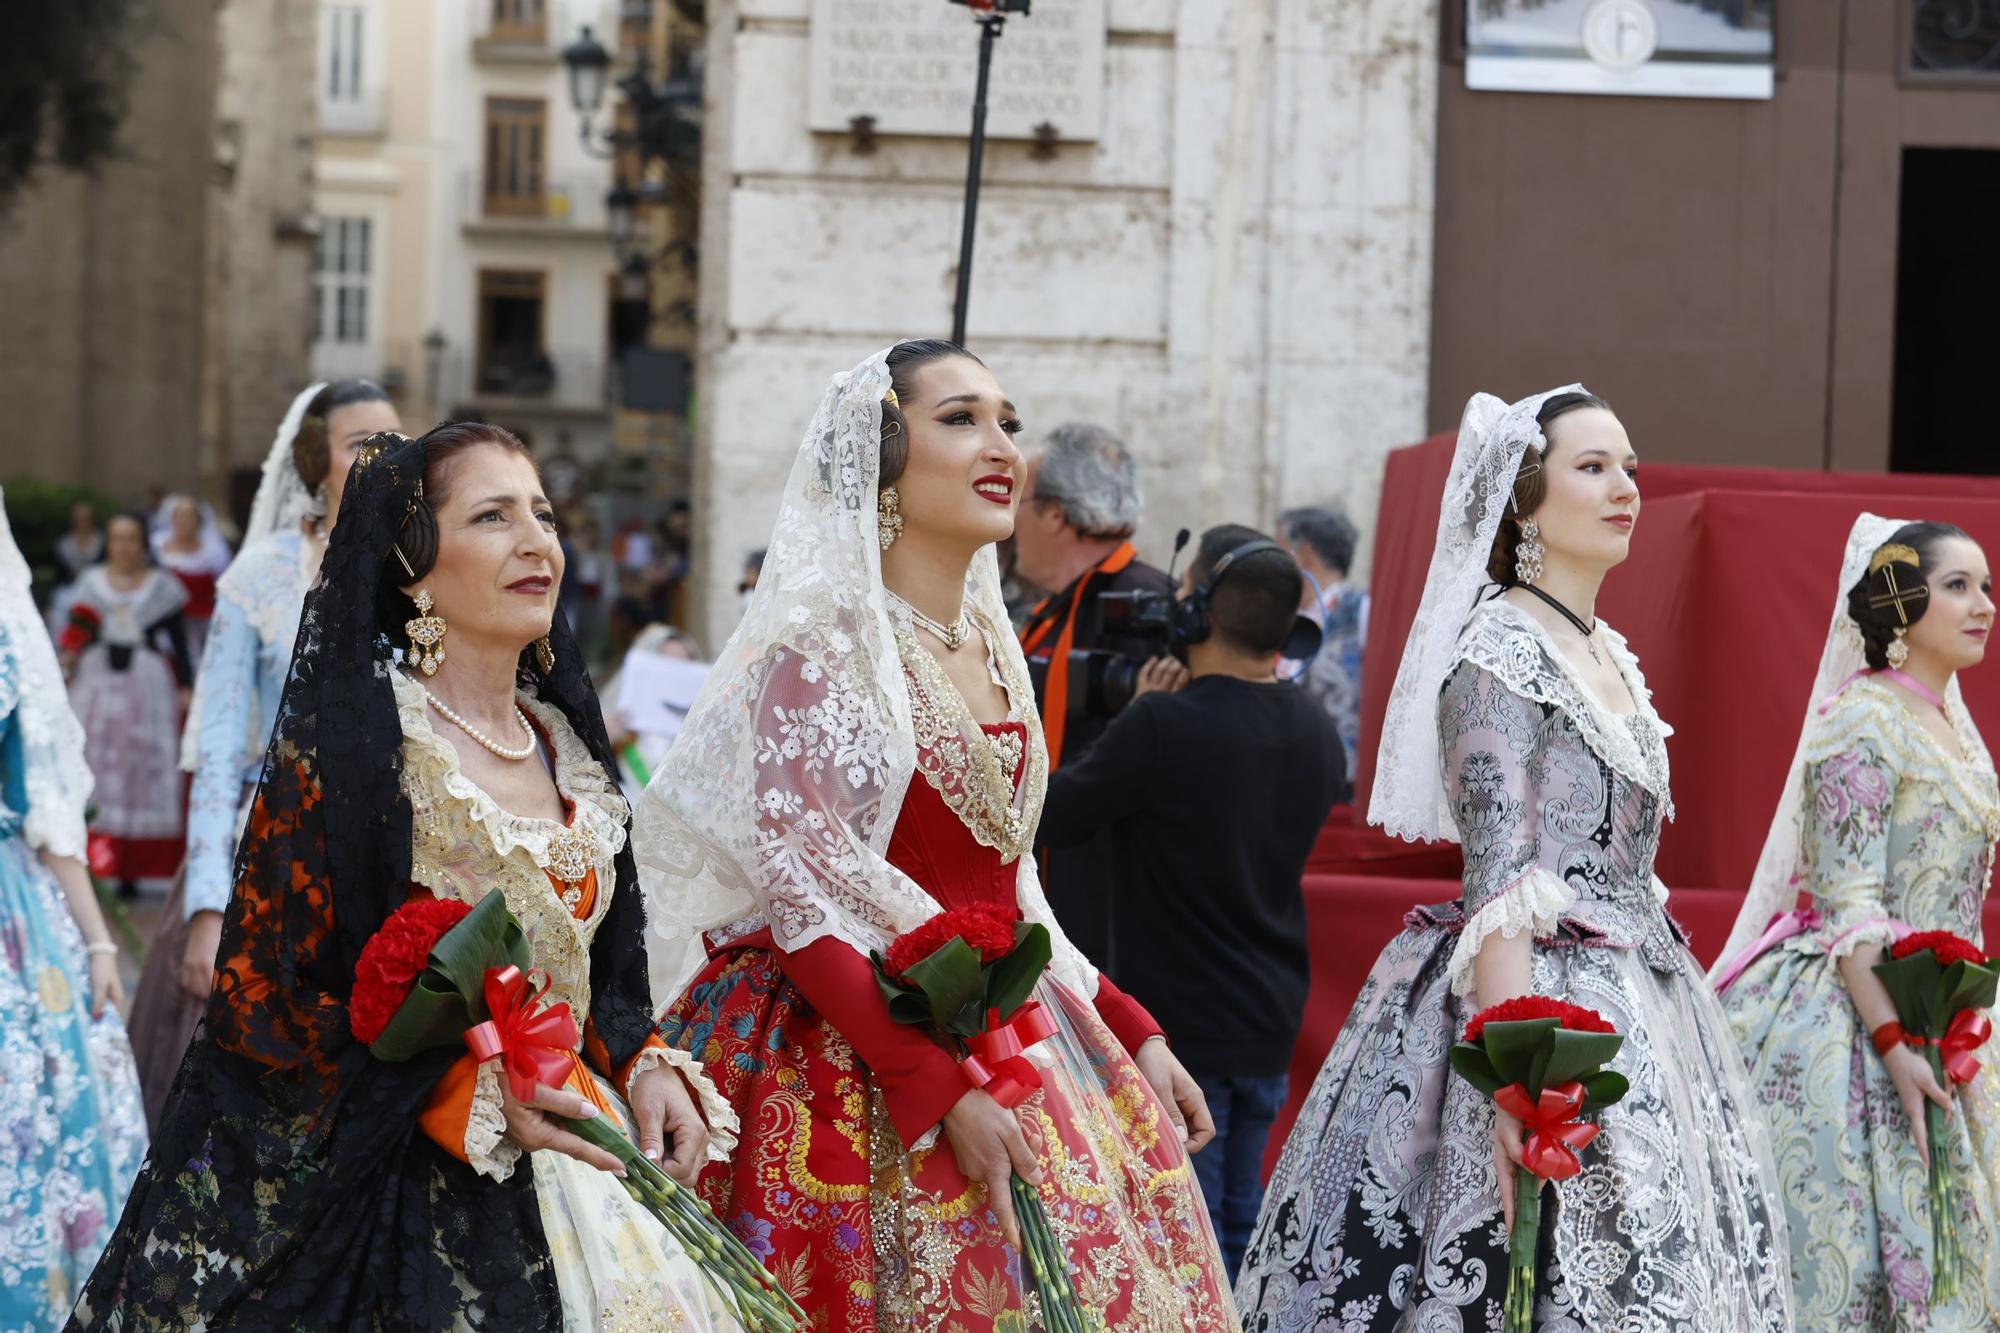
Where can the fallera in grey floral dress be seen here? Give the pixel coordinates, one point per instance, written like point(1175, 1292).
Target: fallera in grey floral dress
point(1384, 1213)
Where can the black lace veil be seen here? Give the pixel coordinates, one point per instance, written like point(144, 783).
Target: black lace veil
point(290, 1185)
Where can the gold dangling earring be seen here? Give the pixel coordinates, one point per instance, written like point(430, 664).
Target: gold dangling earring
point(1528, 553)
point(1898, 652)
point(888, 516)
point(545, 655)
point(426, 633)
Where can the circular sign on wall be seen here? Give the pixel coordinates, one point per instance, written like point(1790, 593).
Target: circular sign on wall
point(1621, 35)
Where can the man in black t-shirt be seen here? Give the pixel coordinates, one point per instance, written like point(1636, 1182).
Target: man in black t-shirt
point(1211, 799)
point(1073, 537)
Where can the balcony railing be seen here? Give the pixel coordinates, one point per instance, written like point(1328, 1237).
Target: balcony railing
point(522, 31)
point(566, 206)
point(365, 116)
point(527, 382)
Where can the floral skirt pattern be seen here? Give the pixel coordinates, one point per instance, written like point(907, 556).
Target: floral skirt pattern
point(1847, 1164)
point(866, 1236)
point(71, 1132)
point(1384, 1212)
point(132, 735)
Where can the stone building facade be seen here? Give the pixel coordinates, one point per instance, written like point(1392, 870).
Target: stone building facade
point(1235, 274)
point(156, 310)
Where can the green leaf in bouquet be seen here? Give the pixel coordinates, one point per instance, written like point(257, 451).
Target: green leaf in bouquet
point(1517, 1048)
point(450, 993)
point(1575, 1054)
point(1606, 1087)
point(1915, 985)
point(1010, 981)
point(906, 1003)
point(1470, 1060)
point(1967, 986)
point(488, 937)
point(953, 984)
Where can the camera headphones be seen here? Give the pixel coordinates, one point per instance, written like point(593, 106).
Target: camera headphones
point(1188, 619)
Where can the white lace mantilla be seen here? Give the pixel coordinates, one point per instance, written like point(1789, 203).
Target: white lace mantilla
point(58, 780)
point(1521, 655)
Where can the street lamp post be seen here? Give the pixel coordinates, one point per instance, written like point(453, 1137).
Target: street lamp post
point(993, 20)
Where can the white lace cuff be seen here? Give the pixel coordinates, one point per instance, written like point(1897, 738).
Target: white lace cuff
point(1535, 903)
point(1850, 930)
point(487, 1146)
point(717, 1114)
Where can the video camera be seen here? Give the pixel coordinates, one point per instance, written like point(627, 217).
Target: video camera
point(1102, 683)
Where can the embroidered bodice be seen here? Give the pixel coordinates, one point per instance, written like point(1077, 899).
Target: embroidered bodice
point(13, 780)
point(466, 846)
point(1898, 829)
point(935, 846)
point(1558, 800)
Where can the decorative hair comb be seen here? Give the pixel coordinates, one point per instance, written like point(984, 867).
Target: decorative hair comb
point(889, 397)
point(1884, 563)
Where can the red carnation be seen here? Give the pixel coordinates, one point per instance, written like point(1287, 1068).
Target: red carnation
point(987, 927)
point(1948, 947)
point(393, 959)
point(1524, 1008)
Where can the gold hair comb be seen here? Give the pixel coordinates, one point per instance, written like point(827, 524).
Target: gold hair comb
point(1894, 553)
point(889, 397)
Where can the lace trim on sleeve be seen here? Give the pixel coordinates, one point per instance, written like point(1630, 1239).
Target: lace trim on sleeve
point(716, 1113)
point(1535, 903)
point(487, 1147)
point(1850, 930)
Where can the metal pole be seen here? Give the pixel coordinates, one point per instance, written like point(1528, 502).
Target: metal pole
point(989, 28)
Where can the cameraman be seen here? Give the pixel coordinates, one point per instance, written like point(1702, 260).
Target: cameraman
point(1073, 538)
point(1213, 797)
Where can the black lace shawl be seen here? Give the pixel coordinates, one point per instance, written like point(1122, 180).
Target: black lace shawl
point(289, 1186)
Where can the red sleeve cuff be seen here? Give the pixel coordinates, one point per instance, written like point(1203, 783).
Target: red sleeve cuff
point(1126, 1017)
point(919, 1079)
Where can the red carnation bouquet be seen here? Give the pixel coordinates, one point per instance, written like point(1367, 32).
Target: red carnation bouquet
point(1940, 983)
point(440, 973)
point(967, 974)
point(81, 629)
point(1541, 1061)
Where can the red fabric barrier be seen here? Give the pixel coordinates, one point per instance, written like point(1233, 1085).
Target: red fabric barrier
point(1351, 917)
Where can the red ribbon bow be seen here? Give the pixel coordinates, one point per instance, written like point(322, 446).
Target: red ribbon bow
point(533, 1047)
point(1969, 1031)
point(999, 1063)
point(1554, 1135)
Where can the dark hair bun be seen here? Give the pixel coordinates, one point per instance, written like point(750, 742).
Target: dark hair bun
point(1895, 594)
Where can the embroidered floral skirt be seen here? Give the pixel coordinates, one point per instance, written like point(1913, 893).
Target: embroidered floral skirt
point(1847, 1164)
point(1384, 1212)
point(866, 1236)
point(69, 1102)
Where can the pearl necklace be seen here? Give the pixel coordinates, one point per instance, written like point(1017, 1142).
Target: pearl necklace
point(954, 635)
point(495, 746)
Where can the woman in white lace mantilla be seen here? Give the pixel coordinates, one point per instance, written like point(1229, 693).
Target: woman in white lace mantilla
point(1887, 824)
point(1521, 727)
point(236, 693)
point(865, 754)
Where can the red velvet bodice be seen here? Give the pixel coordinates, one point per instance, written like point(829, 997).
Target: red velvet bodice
point(933, 846)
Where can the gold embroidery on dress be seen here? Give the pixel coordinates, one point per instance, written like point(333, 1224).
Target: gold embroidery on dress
point(970, 768)
point(458, 835)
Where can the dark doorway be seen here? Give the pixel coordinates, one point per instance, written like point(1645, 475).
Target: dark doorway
point(1947, 301)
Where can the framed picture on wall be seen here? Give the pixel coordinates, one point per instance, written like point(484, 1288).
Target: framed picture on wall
point(1633, 48)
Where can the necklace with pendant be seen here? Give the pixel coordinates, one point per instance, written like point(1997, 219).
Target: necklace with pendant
point(953, 635)
point(1587, 631)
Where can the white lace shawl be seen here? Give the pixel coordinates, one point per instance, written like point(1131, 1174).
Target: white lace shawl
point(1409, 798)
point(777, 802)
point(58, 780)
point(1775, 885)
point(283, 498)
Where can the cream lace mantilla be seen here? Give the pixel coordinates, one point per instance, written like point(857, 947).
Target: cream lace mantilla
point(1511, 644)
point(466, 846)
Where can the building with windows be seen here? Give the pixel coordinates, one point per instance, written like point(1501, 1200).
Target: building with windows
point(464, 253)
